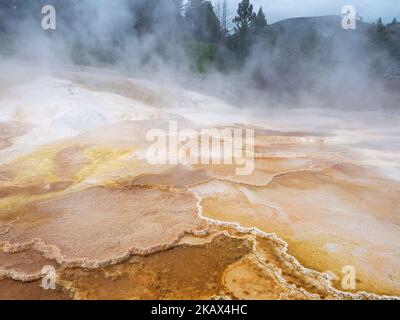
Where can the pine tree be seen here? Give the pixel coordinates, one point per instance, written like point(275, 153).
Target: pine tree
point(218, 9)
point(224, 18)
point(242, 38)
point(245, 17)
point(380, 26)
point(221, 10)
point(260, 23)
point(179, 8)
point(202, 22)
point(394, 22)
point(144, 19)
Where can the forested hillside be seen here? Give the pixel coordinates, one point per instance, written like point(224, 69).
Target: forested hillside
point(200, 37)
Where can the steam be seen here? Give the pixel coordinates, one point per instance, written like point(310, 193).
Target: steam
point(109, 34)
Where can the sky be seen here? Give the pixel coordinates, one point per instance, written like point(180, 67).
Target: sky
point(370, 10)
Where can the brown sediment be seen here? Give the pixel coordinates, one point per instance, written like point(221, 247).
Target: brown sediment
point(271, 252)
point(69, 160)
point(265, 170)
point(34, 189)
point(246, 279)
point(273, 134)
point(300, 207)
point(101, 225)
point(287, 195)
point(300, 190)
point(184, 272)
point(178, 177)
point(26, 265)
point(226, 266)
point(11, 130)
point(225, 263)
point(122, 87)
point(6, 173)
point(16, 290)
point(222, 262)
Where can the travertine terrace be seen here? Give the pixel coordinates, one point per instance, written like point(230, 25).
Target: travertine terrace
point(77, 193)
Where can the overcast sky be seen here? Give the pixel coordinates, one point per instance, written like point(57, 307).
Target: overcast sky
point(370, 10)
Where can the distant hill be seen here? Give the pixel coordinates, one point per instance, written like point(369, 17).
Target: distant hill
point(328, 24)
point(323, 39)
point(317, 54)
point(325, 33)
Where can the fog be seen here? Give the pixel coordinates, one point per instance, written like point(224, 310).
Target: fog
point(298, 62)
